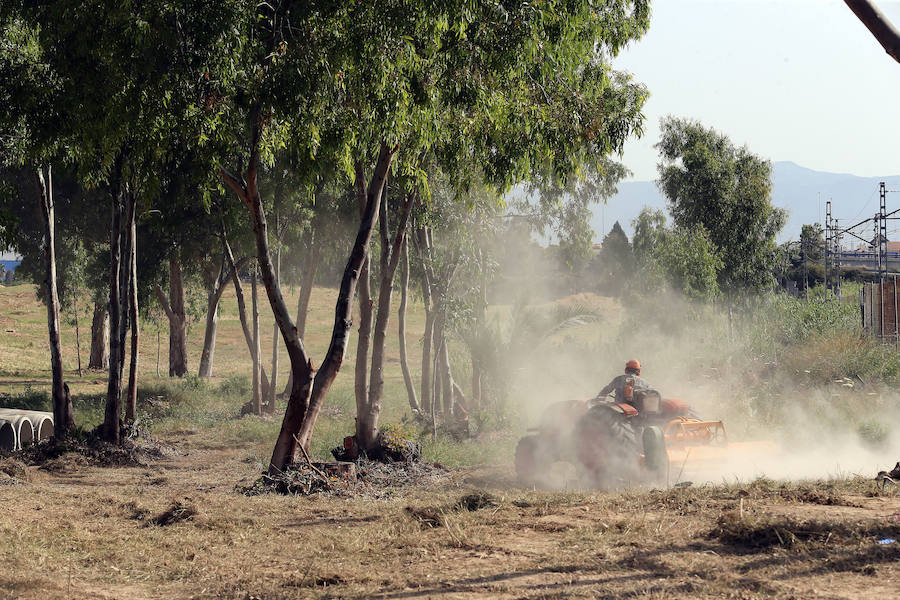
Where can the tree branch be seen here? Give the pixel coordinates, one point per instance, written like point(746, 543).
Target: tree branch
point(165, 303)
point(877, 23)
point(235, 184)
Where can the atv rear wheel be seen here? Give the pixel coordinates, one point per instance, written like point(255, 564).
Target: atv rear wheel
point(530, 462)
point(607, 449)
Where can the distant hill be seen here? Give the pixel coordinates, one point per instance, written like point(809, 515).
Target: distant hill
point(795, 188)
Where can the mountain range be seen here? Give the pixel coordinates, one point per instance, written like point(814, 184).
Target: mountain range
point(803, 192)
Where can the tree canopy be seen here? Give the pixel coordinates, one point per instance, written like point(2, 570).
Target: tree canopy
point(710, 182)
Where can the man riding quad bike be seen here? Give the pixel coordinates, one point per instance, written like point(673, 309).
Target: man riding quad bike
point(614, 442)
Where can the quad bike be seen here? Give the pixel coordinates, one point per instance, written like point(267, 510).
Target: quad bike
point(616, 444)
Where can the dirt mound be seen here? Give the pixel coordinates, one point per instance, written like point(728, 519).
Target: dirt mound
point(88, 449)
point(13, 469)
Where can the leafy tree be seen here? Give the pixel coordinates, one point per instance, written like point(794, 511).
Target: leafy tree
point(649, 232)
point(616, 261)
point(563, 207)
point(690, 261)
point(727, 190)
point(812, 242)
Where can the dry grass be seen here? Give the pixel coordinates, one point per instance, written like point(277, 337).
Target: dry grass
point(179, 526)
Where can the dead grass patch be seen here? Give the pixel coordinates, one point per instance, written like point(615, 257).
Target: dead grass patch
point(178, 511)
point(760, 532)
point(431, 517)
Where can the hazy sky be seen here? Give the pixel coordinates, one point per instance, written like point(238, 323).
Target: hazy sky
point(797, 80)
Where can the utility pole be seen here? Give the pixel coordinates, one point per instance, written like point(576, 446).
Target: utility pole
point(828, 245)
point(882, 233)
point(837, 259)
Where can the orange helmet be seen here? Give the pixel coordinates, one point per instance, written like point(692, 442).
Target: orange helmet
point(634, 364)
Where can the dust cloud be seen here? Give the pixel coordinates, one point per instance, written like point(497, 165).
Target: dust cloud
point(783, 421)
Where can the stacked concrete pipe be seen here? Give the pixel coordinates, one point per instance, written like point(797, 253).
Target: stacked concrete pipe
point(21, 428)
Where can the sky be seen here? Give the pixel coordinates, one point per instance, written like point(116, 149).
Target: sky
point(794, 80)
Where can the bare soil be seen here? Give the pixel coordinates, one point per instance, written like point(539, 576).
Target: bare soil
point(181, 527)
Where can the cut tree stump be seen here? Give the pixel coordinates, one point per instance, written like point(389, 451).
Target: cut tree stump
point(343, 470)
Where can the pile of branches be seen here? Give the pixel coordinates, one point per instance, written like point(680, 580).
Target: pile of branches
point(373, 479)
point(138, 448)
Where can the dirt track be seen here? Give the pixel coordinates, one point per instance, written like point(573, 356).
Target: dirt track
point(89, 533)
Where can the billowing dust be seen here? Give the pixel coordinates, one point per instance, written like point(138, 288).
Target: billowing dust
point(782, 422)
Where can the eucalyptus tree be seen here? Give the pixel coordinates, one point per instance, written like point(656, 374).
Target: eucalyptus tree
point(710, 182)
point(132, 82)
point(511, 86)
point(29, 89)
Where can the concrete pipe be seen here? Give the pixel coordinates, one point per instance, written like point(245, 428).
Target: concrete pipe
point(41, 421)
point(24, 431)
point(7, 436)
point(43, 427)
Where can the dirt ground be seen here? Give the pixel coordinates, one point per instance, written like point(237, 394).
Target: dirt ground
point(180, 528)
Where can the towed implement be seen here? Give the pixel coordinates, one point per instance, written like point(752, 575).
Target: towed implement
point(617, 444)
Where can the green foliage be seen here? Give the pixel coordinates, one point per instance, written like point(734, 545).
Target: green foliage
point(616, 261)
point(690, 261)
point(812, 242)
point(727, 190)
point(649, 232)
point(684, 258)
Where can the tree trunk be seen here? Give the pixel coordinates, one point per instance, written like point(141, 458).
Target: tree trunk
point(307, 280)
point(342, 311)
point(480, 321)
point(401, 327)
point(242, 307)
point(117, 316)
point(443, 361)
point(77, 333)
point(428, 338)
point(257, 359)
point(364, 295)
point(878, 24)
point(362, 342)
point(174, 308)
point(131, 400)
point(209, 336)
point(63, 414)
point(367, 422)
point(273, 383)
point(99, 358)
point(212, 320)
point(306, 397)
point(247, 190)
point(178, 366)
